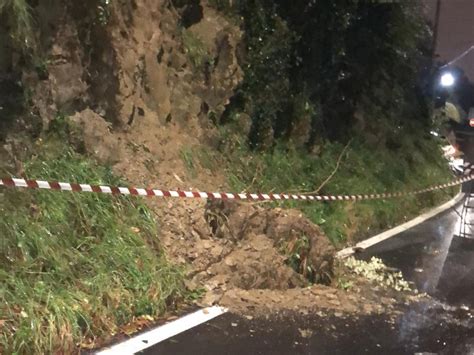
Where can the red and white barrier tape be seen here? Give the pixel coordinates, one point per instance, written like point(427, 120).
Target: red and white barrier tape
point(64, 186)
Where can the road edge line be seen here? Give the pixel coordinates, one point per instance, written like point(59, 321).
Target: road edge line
point(154, 336)
point(344, 253)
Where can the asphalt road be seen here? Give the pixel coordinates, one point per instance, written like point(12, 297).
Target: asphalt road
point(432, 255)
point(424, 330)
point(435, 256)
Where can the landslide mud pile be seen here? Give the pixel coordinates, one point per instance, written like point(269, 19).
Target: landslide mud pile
point(243, 255)
point(244, 246)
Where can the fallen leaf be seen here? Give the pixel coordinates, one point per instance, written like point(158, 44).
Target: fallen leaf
point(129, 329)
point(87, 344)
point(148, 317)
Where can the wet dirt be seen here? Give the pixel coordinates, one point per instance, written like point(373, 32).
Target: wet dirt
point(252, 243)
point(316, 298)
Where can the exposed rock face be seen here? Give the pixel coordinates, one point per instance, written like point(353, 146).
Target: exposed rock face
point(132, 85)
point(138, 62)
point(95, 133)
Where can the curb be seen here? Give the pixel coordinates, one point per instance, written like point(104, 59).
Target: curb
point(365, 244)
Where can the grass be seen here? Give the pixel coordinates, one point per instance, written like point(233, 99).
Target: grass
point(196, 50)
point(297, 250)
point(188, 160)
point(18, 14)
point(363, 169)
point(76, 267)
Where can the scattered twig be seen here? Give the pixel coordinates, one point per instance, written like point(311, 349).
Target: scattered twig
point(338, 163)
point(255, 177)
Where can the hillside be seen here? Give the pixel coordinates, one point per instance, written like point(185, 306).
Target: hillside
point(212, 96)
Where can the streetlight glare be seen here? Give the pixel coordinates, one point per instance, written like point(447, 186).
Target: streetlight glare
point(447, 79)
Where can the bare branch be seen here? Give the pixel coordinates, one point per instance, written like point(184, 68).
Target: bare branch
point(338, 163)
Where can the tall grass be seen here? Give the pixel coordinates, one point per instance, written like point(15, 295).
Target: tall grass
point(75, 267)
point(18, 15)
point(363, 169)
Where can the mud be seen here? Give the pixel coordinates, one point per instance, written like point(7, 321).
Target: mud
point(288, 230)
point(255, 264)
point(249, 249)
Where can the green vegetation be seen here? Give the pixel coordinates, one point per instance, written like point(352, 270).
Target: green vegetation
point(188, 160)
point(296, 251)
point(103, 12)
point(325, 75)
point(363, 169)
point(331, 69)
point(196, 50)
point(75, 267)
point(17, 14)
point(344, 284)
point(378, 273)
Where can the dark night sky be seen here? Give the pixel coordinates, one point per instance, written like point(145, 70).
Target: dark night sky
point(456, 31)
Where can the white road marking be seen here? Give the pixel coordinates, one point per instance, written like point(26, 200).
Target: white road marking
point(344, 253)
point(154, 336)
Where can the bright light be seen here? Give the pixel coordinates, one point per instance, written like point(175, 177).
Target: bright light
point(447, 79)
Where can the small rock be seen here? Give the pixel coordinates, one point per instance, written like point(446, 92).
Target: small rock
point(305, 333)
point(217, 251)
point(230, 262)
point(207, 244)
point(211, 298)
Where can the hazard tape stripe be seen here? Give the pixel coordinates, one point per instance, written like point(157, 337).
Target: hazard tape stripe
point(104, 189)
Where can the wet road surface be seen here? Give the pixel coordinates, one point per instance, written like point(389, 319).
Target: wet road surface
point(435, 256)
point(427, 329)
point(432, 255)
